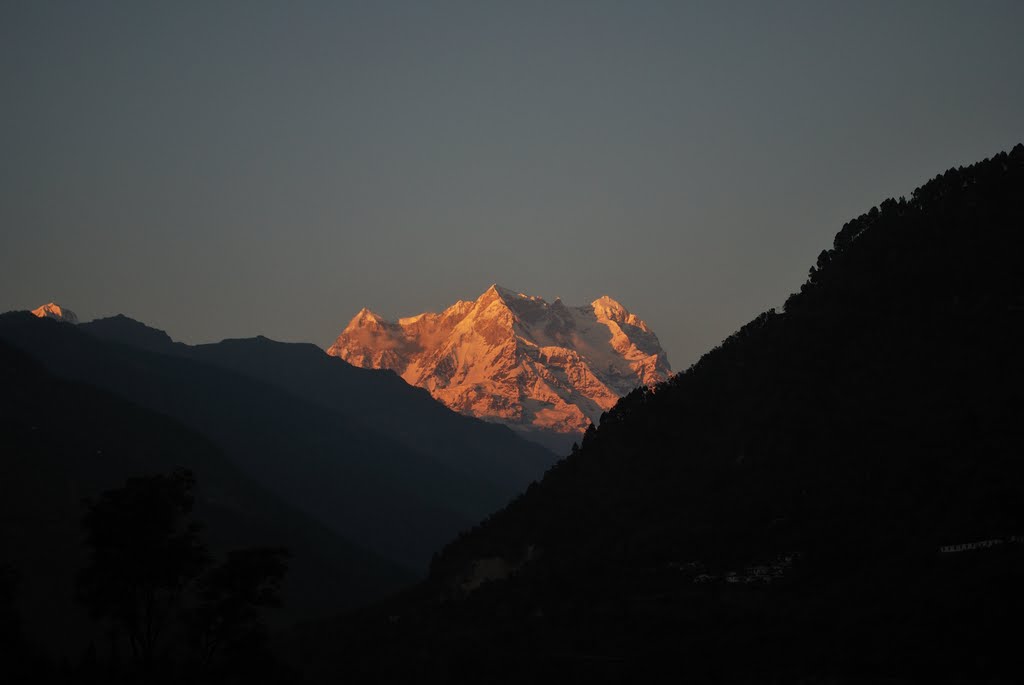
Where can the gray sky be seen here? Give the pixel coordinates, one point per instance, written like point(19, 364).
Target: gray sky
point(231, 169)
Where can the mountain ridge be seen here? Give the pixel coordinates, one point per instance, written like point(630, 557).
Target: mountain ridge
point(378, 398)
point(290, 417)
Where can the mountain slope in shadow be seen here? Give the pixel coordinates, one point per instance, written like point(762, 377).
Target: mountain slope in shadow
point(490, 453)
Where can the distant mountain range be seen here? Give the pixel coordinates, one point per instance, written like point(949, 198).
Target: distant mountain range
point(513, 358)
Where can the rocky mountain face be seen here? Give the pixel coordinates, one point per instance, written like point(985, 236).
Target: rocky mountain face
point(514, 359)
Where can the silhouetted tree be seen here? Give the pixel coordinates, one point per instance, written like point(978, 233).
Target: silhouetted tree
point(144, 554)
point(232, 597)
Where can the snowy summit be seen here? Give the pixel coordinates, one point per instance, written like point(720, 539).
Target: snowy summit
point(52, 310)
point(514, 358)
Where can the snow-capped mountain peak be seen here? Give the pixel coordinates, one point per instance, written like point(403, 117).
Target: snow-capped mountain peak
point(514, 358)
point(607, 308)
point(52, 310)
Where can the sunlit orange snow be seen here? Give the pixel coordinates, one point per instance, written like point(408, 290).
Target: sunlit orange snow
point(514, 358)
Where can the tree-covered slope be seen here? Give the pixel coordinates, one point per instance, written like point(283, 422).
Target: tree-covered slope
point(893, 372)
point(777, 510)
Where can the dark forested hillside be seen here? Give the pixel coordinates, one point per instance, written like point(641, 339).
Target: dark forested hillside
point(778, 510)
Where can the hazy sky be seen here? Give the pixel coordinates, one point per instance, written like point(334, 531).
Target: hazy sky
point(229, 169)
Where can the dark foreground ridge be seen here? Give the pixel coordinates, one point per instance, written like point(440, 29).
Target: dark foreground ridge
point(778, 511)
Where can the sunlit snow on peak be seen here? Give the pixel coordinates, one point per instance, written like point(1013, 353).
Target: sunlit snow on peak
point(52, 310)
point(514, 358)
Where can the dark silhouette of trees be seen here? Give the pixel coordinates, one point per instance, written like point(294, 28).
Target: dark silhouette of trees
point(232, 597)
point(145, 555)
point(152, 577)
